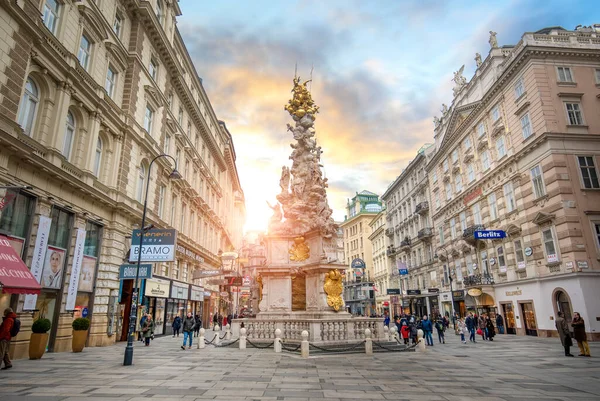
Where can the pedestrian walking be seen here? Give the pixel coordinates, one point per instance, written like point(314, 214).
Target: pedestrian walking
point(471, 323)
point(176, 325)
point(142, 321)
point(462, 328)
point(427, 329)
point(386, 320)
point(489, 329)
point(148, 329)
point(224, 322)
point(413, 332)
point(8, 329)
point(188, 330)
point(405, 332)
point(481, 330)
point(500, 323)
point(198, 325)
point(441, 328)
point(215, 320)
point(563, 332)
point(578, 325)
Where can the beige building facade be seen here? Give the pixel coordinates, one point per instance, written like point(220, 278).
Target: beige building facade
point(90, 94)
point(381, 266)
point(518, 151)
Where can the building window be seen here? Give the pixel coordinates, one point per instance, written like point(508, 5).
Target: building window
point(441, 231)
point(174, 210)
point(519, 88)
point(458, 182)
point(148, 116)
point(85, 49)
point(597, 231)
point(485, 160)
point(589, 175)
point(519, 255)
point(501, 259)
point(434, 176)
point(526, 126)
point(574, 114)
point(549, 245)
point(467, 143)
point(565, 74)
point(537, 181)
point(167, 144)
point(493, 205)
point(463, 220)
point(495, 113)
point(470, 172)
point(140, 183)
point(597, 75)
point(118, 25)
point(476, 212)
point(183, 217)
point(485, 268)
point(448, 191)
point(453, 228)
point(180, 117)
point(69, 136)
point(445, 165)
point(159, 11)
point(161, 200)
point(481, 130)
point(51, 8)
point(28, 107)
point(98, 157)
point(455, 156)
point(189, 129)
point(500, 147)
point(469, 263)
point(153, 69)
point(437, 201)
point(509, 197)
point(458, 269)
point(177, 157)
point(111, 79)
point(170, 100)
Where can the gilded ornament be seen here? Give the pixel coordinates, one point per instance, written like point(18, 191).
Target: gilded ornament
point(299, 251)
point(259, 280)
point(300, 113)
point(333, 288)
point(301, 102)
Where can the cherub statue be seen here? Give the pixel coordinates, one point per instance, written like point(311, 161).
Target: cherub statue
point(493, 41)
point(277, 215)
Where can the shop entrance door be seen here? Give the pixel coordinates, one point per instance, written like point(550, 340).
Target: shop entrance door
point(509, 318)
point(529, 319)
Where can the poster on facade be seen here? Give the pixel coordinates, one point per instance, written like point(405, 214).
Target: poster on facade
point(157, 288)
point(76, 269)
point(53, 265)
point(86, 278)
point(39, 255)
point(552, 257)
point(159, 245)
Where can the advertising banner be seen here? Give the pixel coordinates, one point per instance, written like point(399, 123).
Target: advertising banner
point(76, 269)
point(157, 288)
point(39, 255)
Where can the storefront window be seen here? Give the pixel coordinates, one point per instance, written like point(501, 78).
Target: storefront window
point(159, 316)
point(92, 239)
point(60, 229)
point(82, 304)
point(91, 250)
point(15, 213)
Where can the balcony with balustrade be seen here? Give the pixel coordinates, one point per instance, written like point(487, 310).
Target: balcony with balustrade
point(405, 244)
point(389, 232)
point(422, 207)
point(425, 234)
point(469, 233)
point(478, 280)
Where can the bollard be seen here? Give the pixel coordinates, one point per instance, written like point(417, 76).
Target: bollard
point(304, 345)
point(394, 333)
point(368, 342)
point(242, 338)
point(277, 343)
point(216, 337)
point(228, 332)
point(386, 333)
point(201, 343)
point(420, 341)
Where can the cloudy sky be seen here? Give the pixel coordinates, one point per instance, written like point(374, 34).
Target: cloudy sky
point(381, 70)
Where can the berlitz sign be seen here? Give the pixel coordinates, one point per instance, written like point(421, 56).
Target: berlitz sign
point(158, 245)
point(489, 234)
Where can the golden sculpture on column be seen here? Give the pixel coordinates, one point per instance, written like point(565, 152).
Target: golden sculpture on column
point(300, 251)
point(333, 288)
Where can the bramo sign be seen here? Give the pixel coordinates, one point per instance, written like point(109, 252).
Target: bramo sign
point(158, 245)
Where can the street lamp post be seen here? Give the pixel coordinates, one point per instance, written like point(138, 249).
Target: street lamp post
point(451, 289)
point(128, 357)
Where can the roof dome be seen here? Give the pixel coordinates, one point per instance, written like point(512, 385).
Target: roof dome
point(373, 207)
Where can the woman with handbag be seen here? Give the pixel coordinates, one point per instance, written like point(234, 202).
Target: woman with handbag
point(148, 330)
point(563, 332)
point(579, 334)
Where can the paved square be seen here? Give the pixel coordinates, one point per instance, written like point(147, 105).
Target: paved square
point(510, 369)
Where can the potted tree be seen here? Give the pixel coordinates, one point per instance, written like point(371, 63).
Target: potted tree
point(39, 338)
point(80, 331)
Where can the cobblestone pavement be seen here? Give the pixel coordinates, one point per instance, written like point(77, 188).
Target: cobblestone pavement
point(510, 368)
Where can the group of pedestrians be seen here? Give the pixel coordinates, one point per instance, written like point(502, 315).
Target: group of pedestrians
point(409, 325)
point(221, 320)
point(578, 333)
point(482, 325)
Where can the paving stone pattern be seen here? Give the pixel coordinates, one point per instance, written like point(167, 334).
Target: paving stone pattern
point(510, 369)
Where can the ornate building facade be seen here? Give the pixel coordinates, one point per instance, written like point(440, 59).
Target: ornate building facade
point(91, 93)
point(518, 151)
point(381, 269)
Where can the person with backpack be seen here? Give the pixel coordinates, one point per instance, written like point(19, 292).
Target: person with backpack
point(176, 325)
point(440, 327)
point(8, 329)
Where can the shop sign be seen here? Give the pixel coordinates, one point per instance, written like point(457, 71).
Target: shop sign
point(235, 289)
point(552, 257)
point(528, 251)
point(128, 272)
point(386, 303)
point(157, 288)
point(246, 281)
point(492, 261)
point(224, 294)
point(39, 255)
point(158, 245)
point(569, 265)
point(513, 293)
point(489, 234)
point(393, 291)
point(207, 293)
point(475, 292)
point(179, 290)
point(233, 281)
point(472, 195)
point(358, 263)
point(413, 292)
point(394, 299)
point(75, 270)
point(205, 273)
point(458, 295)
point(434, 290)
point(521, 265)
point(190, 254)
point(582, 264)
point(196, 293)
point(405, 303)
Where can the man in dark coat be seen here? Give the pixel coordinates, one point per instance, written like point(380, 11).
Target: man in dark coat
point(563, 332)
point(176, 325)
point(500, 323)
point(470, 322)
point(579, 334)
point(188, 330)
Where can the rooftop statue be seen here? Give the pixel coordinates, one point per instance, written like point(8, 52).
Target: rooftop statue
point(478, 59)
point(493, 41)
point(303, 195)
point(459, 80)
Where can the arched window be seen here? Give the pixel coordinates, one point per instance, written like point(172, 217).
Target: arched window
point(98, 157)
point(563, 305)
point(69, 135)
point(141, 182)
point(28, 108)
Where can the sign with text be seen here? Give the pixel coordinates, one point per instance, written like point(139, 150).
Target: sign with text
point(413, 292)
point(128, 272)
point(393, 291)
point(474, 194)
point(197, 293)
point(157, 288)
point(489, 234)
point(205, 273)
point(179, 290)
point(75, 269)
point(158, 245)
point(234, 281)
point(39, 256)
point(190, 254)
point(358, 263)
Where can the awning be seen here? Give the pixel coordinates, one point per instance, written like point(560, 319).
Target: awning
point(15, 277)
